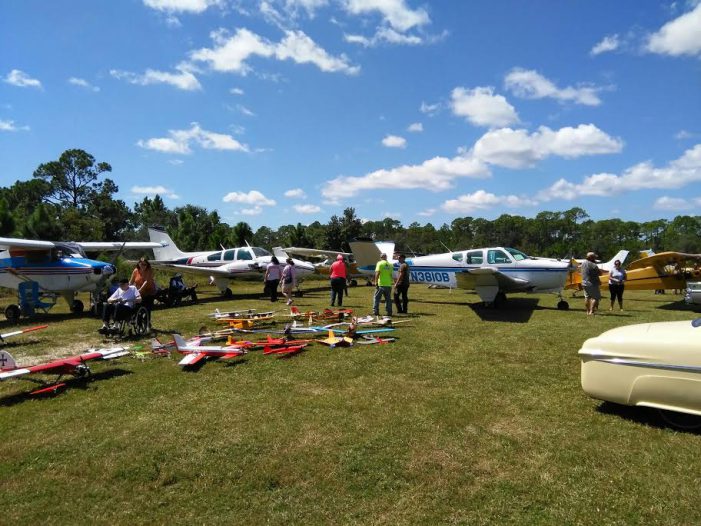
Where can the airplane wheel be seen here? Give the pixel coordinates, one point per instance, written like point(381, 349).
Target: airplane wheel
point(228, 294)
point(12, 313)
point(563, 305)
point(499, 300)
point(680, 420)
point(354, 283)
point(77, 307)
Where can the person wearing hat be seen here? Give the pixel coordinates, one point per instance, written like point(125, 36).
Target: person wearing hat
point(337, 275)
point(591, 283)
point(401, 286)
point(120, 305)
point(383, 284)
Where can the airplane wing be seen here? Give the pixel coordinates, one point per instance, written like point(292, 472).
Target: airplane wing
point(313, 252)
point(663, 258)
point(11, 242)
point(473, 279)
point(6, 375)
point(224, 271)
point(192, 359)
point(106, 246)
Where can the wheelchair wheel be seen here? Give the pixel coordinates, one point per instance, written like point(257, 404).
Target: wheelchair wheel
point(141, 321)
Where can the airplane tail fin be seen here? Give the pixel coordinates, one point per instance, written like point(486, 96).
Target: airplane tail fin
point(367, 253)
point(7, 362)
point(169, 250)
point(621, 256)
point(180, 342)
point(280, 253)
point(646, 253)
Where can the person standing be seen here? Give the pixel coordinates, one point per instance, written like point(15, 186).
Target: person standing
point(144, 281)
point(401, 286)
point(591, 283)
point(288, 280)
point(617, 277)
point(337, 275)
point(272, 278)
point(383, 284)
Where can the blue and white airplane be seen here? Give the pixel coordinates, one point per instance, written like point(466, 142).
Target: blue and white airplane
point(491, 272)
point(56, 268)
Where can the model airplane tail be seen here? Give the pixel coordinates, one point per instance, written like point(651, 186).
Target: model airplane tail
point(367, 253)
point(168, 250)
point(7, 362)
point(180, 342)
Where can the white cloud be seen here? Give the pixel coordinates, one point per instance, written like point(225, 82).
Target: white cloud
point(236, 91)
point(678, 173)
point(672, 204)
point(429, 109)
point(20, 79)
point(394, 12)
point(607, 44)
point(530, 84)
point(681, 36)
point(394, 141)
point(179, 141)
point(184, 79)
point(434, 175)
point(254, 197)
point(230, 53)
point(426, 213)
point(482, 107)
point(83, 84)
point(182, 6)
point(244, 110)
point(684, 134)
point(256, 210)
point(307, 209)
point(10, 126)
point(154, 190)
point(520, 149)
point(481, 200)
point(415, 127)
point(384, 35)
point(176, 162)
point(296, 193)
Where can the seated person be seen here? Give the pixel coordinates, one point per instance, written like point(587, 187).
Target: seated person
point(176, 283)
point(120, 305)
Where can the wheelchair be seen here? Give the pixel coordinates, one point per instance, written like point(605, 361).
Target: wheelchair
point(138, 324)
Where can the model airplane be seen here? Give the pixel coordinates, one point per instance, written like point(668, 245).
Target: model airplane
point(336, 341)
point(75, 366)
point(491, 272)
point(285, 350)
point(54, 268)
point(3, 337)
point(196, 353)
point(221, 265)
point(316, 316)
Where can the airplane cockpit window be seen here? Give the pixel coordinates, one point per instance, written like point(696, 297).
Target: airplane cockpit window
point(244, 254)
point(229, 255)
point(517, 254)
point(214, 257)
point(260, 252)
point(35, 257)
point(457, 256)
point(474, 257)
point(497, 257)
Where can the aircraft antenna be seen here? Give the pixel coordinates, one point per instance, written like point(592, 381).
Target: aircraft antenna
point(444, 246)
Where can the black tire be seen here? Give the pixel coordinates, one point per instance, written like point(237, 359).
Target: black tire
point(13, 313)
point(563, 305)
point(193, 296)
point(77, 307)
point(228, 294)
point(353, 283)
point(679, 420)
point(141, 321)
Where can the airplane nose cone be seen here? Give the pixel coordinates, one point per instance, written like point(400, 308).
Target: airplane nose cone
point(108, 270)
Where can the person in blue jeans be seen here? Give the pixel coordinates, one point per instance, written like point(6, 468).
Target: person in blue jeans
point(383, 284)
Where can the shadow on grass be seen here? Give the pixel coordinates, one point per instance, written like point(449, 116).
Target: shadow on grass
point(70, 383)
point(681, 306)
point(642, 415)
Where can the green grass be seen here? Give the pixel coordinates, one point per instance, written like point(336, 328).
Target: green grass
point(474, 416)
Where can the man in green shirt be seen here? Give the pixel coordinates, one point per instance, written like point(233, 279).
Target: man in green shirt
point(383, 284)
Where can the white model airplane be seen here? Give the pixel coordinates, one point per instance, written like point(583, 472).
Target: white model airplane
point(221, 265)
point(55, 268)
point(491, 272)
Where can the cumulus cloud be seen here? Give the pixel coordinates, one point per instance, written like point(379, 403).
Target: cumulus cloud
point(184, 79)
point(481, 200)
point(672, 204)
point(607, 44)
point(180, 141)
point(295, 193)
point(230, 52)
point(254, 197)
point(429, 109)
point(236, 91)
point(10, 126)
point(20, 79)
point(83, 84)
point(530, 84)
point(415, 127)
point(681, 36)
point(154, 190)
point(384, 35)
point(394, 141)
point(678, 173)
point(482, 107)
point(307, 209)
point(182, 6)
point(520, 149)
point(426, 213)
point(256, 210)
point(394, 12)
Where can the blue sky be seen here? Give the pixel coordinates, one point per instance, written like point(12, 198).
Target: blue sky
point(284, 111)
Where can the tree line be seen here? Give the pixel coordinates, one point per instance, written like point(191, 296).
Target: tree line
point(69, 199)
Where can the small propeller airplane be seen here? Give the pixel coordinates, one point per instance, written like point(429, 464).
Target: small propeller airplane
point(75, 365)
point(491, 272)
point(196, 353)
point(221, 265)
point(574, 279)
point(56, 268)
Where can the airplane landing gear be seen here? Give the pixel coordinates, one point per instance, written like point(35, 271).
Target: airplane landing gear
point(77, 307)
point(13, 313)
point(563, 305)
point(228, 294)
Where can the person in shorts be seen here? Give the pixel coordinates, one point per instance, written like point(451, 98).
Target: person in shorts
point(591, 283)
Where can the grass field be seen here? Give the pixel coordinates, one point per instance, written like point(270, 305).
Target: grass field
point(474, 416)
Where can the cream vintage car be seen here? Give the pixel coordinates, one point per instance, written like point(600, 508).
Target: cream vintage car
point(651, 364)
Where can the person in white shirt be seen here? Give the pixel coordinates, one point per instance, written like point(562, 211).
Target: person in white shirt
point(120, 305)
point(617, 277)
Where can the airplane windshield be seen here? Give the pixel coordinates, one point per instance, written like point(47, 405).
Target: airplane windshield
point(258, 252)
point(517, 254)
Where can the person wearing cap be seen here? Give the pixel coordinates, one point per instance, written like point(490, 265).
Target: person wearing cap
point(120, 305)
point(337, 275)
point(591, 283)
point(401, 286)
point(383, 284)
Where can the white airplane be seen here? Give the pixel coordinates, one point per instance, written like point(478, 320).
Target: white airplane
point(54, 268)
point(221, 265)
point(491, 272)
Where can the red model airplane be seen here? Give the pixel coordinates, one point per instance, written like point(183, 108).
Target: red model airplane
point(195, 353)
point(285, 349)
point(75, 365)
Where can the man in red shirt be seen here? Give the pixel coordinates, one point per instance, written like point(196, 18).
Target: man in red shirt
point(337, 274)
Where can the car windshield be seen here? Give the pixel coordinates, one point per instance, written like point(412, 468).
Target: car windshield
point(517, 254)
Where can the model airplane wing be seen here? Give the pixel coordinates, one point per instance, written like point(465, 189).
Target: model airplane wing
point(192, 358)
